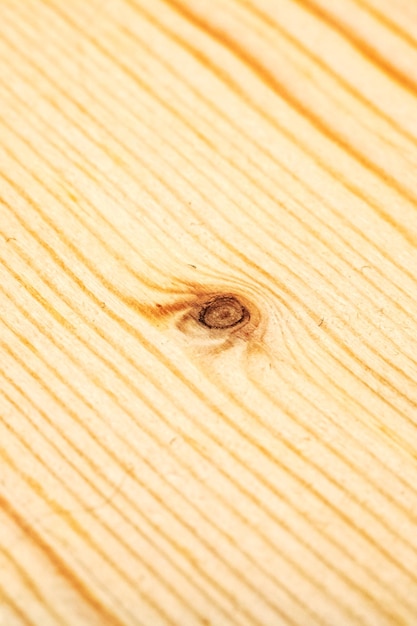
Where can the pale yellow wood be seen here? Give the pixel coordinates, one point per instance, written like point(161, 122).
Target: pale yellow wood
point(170, 166)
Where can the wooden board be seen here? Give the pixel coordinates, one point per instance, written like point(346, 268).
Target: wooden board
point(208, 312)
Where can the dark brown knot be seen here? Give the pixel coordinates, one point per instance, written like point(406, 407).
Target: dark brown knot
point(223, 312)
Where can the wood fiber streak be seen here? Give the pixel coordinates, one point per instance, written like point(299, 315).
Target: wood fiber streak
point(208, 372)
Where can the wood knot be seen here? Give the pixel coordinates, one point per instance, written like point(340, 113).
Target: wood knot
point(223, 312)
point(213, 319)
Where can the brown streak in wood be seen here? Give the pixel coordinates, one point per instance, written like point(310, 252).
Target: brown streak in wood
point(58, 563)
point(267, 78)
point(366, 49)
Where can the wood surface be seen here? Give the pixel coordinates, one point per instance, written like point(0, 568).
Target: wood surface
point(208, 255)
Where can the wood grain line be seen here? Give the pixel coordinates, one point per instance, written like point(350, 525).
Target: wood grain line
point(367, 50)
point(224, 39)
point(58, 563)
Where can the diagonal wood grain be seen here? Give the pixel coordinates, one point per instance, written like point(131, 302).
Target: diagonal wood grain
point(208, 313)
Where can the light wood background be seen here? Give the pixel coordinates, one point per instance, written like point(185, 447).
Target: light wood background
point(153, 155)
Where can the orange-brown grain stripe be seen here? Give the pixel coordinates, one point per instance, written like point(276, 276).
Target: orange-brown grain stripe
point(297, 43)
point(225, 40)
point(363, 47)
point(388, 23)
point(30, 584)
point(11, 603)
point(127, 519)
point(59, 564)
point(36, 487)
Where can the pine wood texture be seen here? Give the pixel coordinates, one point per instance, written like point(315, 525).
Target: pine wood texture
point(208, 330)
